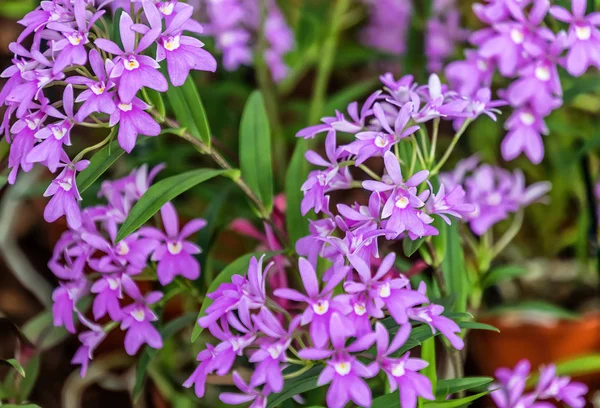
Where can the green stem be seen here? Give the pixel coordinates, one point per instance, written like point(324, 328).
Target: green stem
point(369, 172)
point(509, 235)
point(436, 129)
point(298, 373)
point(417, 148)
point(325, 66)
point(94, 147)
point(450, 149)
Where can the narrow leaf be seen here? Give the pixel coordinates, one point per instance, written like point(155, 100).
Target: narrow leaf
point(155, 99)
point(297, 224)
point(99, 163)
point(453, 267)
point(304, 383)
point(237, 267)
point(161, 193)
point(502, 273)
point(455, 403)
point(455, 385)
point(410, 247)
point(578, 366)
point(428, 354)
point(255, 149)
point(32, 370)
point(15, 364)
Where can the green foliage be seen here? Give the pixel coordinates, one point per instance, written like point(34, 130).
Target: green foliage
point(297, 224)
point(255, 150)
point(304, 383)
point(164, 191)
point(14, 364)
point(100, 162)
point(502, 273)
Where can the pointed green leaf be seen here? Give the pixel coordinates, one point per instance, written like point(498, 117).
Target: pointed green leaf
point(237, 267)
point(453, 267)
point(15, 364)
point(162, 192)
point(304, 383)
point(255, 149)
point(99, 163)
point(32, 370)
point(455, 385)
point(155, 99)
point(410, 247)
point(502, 273)
point(589, 364)
point(189, 110)
point(455, 403)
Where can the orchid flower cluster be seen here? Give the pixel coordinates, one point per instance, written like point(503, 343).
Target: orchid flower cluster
point(509, 391)
point(90, 264)
point(522, 48)
point(247, 321)
point(68, 37)
point(389, 24)
point(234, 24)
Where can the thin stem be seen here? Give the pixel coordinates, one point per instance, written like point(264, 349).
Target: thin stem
point(94, 147)
point(446, 155)
point(325, 66)
point(509, 235)
point(94, 125)
point(436, 129)
point(369, 172)
point(419, 153)
point(298, 373)
point(413, 162)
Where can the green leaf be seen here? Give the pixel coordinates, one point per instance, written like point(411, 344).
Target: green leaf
point(410, 247)
point(455, 385)
point(428, 354)
point(237, 267)
point(155, 99)
point(189, 110)
point(387, 401)
point(99, 163)
point(161, 193)
point(20, 406)
point(15, 9)
point(15, 364)
point(297, 224)
point(304, 383)
point(32, 370)
point(453, 267)
point(351, 93)
point(477, 326)
point(455, 403)
point(255, 149)
point(502, 273)
point(166, 332)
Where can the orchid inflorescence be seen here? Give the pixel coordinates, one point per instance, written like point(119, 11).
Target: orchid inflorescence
point(68, 37)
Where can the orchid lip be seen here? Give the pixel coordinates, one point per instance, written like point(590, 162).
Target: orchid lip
point(131, 63)
point(321, 307)
point(342, 368)
point(583, 32)
point(138, 314)
point(174, 248)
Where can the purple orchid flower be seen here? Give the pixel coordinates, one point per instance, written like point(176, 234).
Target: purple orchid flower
point(65, 299)
point(550, 386)
point(89, 342)
point(65, 195)
point(468, 76)
point(312, 245)
point(174, 254)
point(137, 320)
point(525, 130)
point(132, 121)
point(320, 304)
point(584, 36)
point(133, 69)
point(23, 140)
point(55, 135)
point(250, 394)
point(98, 97)
point(344, 371)
point(208, 363)
point(401, 372)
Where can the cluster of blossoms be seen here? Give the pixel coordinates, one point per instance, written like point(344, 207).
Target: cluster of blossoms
point(247, 321)
point(67, 38)
point(494, 192)
point(90, 264)
point(509, 391)
point(520, 47)
point(389, 22)
point(234, 24)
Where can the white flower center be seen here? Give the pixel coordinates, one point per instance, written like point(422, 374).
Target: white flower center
point(494, 198)
point(166, 8)
point(113, 284)
point(583, 32)
point(342, 368)
point(65, 185)
point(274, 351)
point(174, 247)
point(517, 36)
point(322, 179)
point(236, 344)
point(32, 124)
point(402, 203)
point(125, 107)
point(380, 141)
point(527, 118)
point(122, 248)
point(398, 370)
point(131, 63)
point(385, 290)
point(360, 309)
point(542, 73)
point(172, 43)
point(59, 132)
point(76, 38)
point(321, 307)
point(482, 65)
point(138, 314)
point(98, 88)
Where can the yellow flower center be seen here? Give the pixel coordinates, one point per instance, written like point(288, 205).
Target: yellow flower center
point(342, 368)
point(172, 43)
point(122, 248)
point(125, 107)
point(321, 307)
point(174, 247)
point(402, 203)
point(138, 315)
point(131, 63)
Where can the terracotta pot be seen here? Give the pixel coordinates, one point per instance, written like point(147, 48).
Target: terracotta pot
point(540, 343)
